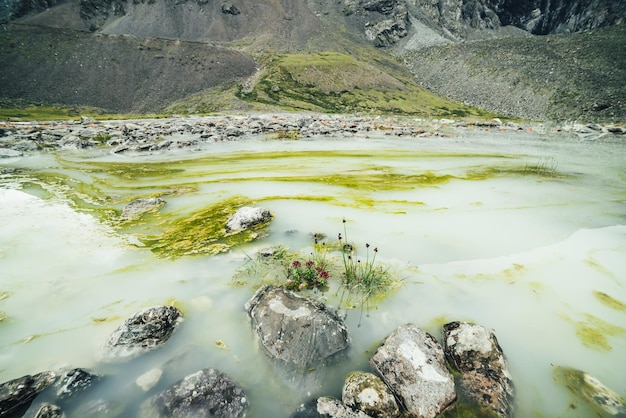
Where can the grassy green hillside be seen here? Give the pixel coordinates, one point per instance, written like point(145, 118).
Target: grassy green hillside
point(334, 83)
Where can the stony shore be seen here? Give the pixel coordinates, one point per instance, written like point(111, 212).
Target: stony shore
point(144, 135)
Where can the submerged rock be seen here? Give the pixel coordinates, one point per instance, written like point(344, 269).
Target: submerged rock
point(368, 393)
point(16, 395)
point(74, 382)
point(299, 331)
point(48, 410)
point(474, 351)
point(100, 408)
point(412, 364)
point(326, 407)
point(207, 393)
point(144, 331)
point(591, 390)
point(139, 206)
point(247, 217)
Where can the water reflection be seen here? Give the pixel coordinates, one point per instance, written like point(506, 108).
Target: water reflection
point(473, 233)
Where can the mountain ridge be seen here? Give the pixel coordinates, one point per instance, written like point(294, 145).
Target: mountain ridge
point(398, 36)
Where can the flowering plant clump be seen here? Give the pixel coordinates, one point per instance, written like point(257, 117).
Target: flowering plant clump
point(309, 275)
point(365, 278)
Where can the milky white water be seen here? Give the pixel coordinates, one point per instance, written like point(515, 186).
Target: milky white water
point(524, 255)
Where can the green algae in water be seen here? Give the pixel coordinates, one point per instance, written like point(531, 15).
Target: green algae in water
point(594, 333)
point(609, 301)
point(203, 232)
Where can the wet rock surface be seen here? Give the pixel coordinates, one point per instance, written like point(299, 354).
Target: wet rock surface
point(474, 351)
point(593, 391)
point(208, 392)
point(411, 362)
point(247, 217)
point(298, 331)
point(73, 382)
point(144, 331)
point(16, 395)
point(368, 393)
point(326, 407)
point(49, 411)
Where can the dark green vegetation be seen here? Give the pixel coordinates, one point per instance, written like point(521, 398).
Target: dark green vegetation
point(574, 76)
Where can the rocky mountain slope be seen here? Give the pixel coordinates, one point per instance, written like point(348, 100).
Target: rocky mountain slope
point(144, 55)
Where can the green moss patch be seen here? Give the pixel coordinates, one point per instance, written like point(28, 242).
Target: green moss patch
point(203, 232)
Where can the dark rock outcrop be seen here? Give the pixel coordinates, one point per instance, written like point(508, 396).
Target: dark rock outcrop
point(485, 379)
point(298, 331)
point(16, 395)
point(560, 16)
point(207, 393)
point(74, 382)
point(144, 331)
point(412, 364)
point(230, 9)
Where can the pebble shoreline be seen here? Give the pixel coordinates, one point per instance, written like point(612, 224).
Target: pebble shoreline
point(141, 135)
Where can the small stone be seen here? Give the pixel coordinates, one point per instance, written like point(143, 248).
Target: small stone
point(140, 206)
point(49, 411)
point(149, 379)
point(368, 393)
point(144, 331)
point(247, 217)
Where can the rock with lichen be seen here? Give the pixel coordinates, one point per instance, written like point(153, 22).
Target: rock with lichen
point(298, 331)
point(411, 362)
point(368, 393)
point(145, 331)
point(484, 378)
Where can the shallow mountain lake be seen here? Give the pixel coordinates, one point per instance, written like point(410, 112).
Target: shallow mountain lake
point(523, 233)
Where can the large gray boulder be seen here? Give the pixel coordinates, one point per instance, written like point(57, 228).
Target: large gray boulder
point(368, 393)
point(16, 395)
point(144, 331)
point(474, 351)
point(299, 331)
point(247, 217)
point(207, 393)
point(412, 364)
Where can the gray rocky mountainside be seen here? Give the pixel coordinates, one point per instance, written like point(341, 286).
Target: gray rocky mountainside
point(145, 55)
